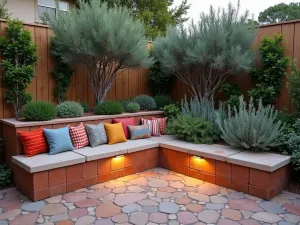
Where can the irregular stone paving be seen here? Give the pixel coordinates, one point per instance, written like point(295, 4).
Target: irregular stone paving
point(153, 197)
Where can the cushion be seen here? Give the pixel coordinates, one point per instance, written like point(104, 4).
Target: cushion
point(115, 133)
point(125, 123)
point(96, 134)
point(78, 136)
point(162, 124)
point(153, 125)
point(58, 140)
point(34, 142)
point(139, 132)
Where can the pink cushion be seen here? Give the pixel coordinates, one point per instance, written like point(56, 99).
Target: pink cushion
point(153, 125)
point(162, 124)
point(125, 123)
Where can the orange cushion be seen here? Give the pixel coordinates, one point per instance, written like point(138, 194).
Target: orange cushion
point(34, 142)
point(115, 133)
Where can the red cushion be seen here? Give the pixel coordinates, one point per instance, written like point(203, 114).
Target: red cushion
point(79, 136)
point(125, 123)
point(34, 142)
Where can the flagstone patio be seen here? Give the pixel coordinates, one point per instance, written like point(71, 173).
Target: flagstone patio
point(156, 196)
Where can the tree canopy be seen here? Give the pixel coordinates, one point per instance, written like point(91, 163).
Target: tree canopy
point(279, 13)
point(156, 15)
point(208, 51)
point(104, 39)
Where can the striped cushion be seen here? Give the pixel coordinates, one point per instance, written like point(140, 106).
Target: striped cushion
point(162, 124)
point(96, 134)
point(34, 142)
point(139, 132)
point(153, 125)
point(78, 136)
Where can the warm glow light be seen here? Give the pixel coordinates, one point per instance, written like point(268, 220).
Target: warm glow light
point(196, 157)
point(119, 156)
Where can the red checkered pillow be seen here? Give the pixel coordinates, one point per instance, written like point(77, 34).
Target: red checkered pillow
point(78, 136)
point(162, 124)
point(153, 125)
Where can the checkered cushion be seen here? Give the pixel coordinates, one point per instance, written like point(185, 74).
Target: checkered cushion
point(78, 136)
point(153, 125)
point(162, 124)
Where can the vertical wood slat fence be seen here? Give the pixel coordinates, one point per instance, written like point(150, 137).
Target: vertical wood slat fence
point(291, 32)
point(129, 82)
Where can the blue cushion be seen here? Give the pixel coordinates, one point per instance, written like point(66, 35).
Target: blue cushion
point(58, 140)
point(139, 132)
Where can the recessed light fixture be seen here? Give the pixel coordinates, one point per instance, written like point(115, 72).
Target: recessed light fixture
point(197, 157)
point(119, 156)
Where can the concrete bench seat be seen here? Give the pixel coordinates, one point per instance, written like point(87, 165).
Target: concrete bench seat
point(43, 162)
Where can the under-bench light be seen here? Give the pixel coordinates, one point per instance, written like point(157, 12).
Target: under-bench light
point(197, 157)
point(119, 156)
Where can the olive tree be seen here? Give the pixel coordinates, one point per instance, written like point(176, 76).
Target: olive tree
point(205, 53)
point(104, 39)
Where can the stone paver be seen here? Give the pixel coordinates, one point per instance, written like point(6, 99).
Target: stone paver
point(152, 197)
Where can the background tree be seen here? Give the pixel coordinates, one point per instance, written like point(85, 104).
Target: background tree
point(280, 12)
point(156, 15)
point(20, 58)
point(3, 10)
point(205, 54)
point(104, 39)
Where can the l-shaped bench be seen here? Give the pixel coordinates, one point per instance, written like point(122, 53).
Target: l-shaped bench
point(262, 175)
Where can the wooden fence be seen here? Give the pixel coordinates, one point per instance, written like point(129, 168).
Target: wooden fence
point(129, 83)
point(291, 32)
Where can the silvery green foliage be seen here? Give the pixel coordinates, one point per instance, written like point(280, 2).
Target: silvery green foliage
point(251, 128)
point(69, 109)
point(104, 39)
point(204, 54)
point(204, 108)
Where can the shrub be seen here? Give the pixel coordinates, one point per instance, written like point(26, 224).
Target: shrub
point(232, 93)
point(69, 109)
point(125, 103)
point(250, 128)
point(162, 101)
point(86, 107)
point(146, 102)
point(171, 111)
point(5, 175)
point(133, 107)
point(109, 108)
point(294, 86)
point(191, 129)
point(39, 111)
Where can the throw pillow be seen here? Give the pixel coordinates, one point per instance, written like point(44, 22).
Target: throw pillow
point(34, 142)
point(162, 124)
point(153, 125)
point(125, 123)
point(139, 132)
point(96, 134)
point(78, 136)
point(115, 133)
point(58, 140)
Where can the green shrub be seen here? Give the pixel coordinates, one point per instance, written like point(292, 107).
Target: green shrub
point(294, 86)
point(5, 175)
point(39, 111)
point(69, 109)
point(109, 108)
point(162, 101)
point(171, 111)
point(191, 129)
point(146, 102)
point(263, 92)
point(232, 93)
point(250, 128)
point(125, 103)
point(86, 107)
point(133, 107)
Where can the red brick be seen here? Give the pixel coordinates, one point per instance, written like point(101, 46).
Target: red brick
point(172, 166)
point(117, 163)
point(129, 170)
point(57, 176)
point(129, 160)
point(40, 180)
point(240, 174)
point(260, 179)
point(195, 174)
point(152, 154)
point(58, 190)
point(172, 156)
point(195, 163)
point(208, 165)
point(74, 173)
point(183, 170)
point(223, 182)
point(140, 168)
point(90, 181)
point(103, 166)
point(75, 185)
point(151, 165)
point(89, 169)
point(39, 194)
point(116, 174)
point(223, 169)
point(163, 156)
point(238, 186)
point(208, 178)
point(140, 157)
point(259, 192)
point(183, 159)
point(103, 177)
